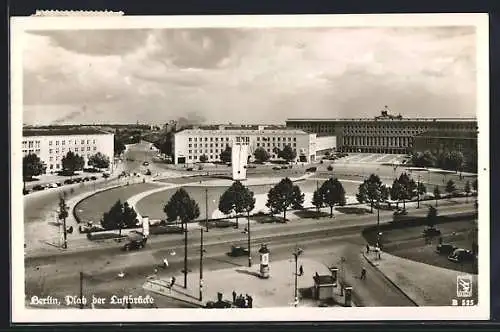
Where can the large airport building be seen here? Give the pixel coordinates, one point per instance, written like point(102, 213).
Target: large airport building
point(385, 133)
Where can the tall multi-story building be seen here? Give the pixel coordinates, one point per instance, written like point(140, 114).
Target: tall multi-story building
point(52, 145)
point(191, 144)
point(382, 134)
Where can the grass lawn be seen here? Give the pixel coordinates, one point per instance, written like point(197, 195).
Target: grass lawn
point(92, 208)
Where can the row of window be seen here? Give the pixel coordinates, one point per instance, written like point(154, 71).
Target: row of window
point(57, 158)
point(63, 142)
point(82, 149)
point(31, 144)
point(241, 139)
point(217, 156)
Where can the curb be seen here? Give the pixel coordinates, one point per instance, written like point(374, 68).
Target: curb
point(390, 280)
point(77, 219)
point(175, 298)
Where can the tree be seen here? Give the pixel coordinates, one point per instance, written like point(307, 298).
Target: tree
point(283, 195)
point(396, 192)
point(287, 153)
point(238, 199)
point(437, 194)
point(261, 155)
point(456, 160)
point(450, 187)
point(362, 194)
point(329, 168)
point(467, 190)
point(72, 162)
point(226, 155)
point(32, 166)
point(408, 188)
point(99, 160)
point(317, 200)
point(129, 215)
point(332, 192)
point(431, 217)
point(474, 185)
point(113, 219)
point(370, 190)
point(203, 158)
point(181, 207)
point(119, 146)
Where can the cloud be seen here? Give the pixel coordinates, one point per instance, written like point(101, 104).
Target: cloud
point(248, 75)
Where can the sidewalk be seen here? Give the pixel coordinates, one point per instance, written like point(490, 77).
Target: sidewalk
point(423, 284)
point(277, 291)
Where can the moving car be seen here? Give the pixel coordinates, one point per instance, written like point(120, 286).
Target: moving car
point(135, 244)
point(400, 212)
point(461, 256)
point(105, 175)
point(431, 231)
point(145, 163)
point(238, 251)
point(445, 248)
point(311, 170)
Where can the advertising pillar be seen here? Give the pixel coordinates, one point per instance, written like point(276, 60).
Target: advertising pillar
point(264, 261)
point(348, 296)
point(145, 226)
point(239, 155)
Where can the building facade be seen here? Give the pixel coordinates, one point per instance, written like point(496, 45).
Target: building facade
point(382, 134)
point(52, 145)
point(191, 144)
point(439, 142)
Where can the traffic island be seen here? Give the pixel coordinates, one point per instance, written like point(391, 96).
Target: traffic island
point(275, 291)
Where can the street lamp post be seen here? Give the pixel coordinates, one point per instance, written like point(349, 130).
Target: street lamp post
point(201, 264)
point(418, 192)
point(185, 254)
point(296, 254)
point(81, 290)
point(248, 240)
point(206, 209)
point(342, 261)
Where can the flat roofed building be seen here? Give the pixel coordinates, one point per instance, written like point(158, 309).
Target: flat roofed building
point(382, 134)
point(51, 145)
point(191, 144)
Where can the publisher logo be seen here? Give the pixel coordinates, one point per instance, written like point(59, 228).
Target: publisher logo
point(464, 286)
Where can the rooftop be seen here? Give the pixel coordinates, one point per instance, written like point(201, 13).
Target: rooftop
point(392, 119)
point(449, 134)
point(63, 132)
point(242, 131)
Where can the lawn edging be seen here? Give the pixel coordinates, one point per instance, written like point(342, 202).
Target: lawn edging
point(375, 266)
point(98, 191)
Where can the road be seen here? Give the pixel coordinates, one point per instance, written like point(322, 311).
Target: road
point(57, 274)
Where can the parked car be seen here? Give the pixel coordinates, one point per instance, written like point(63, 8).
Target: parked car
point(52, 185)
point(59, 184)
point(445, 248)
point(145, 163)
point(461, 256)
point(38, 187)
point(276, 168)
point(105, 175)
point(86, 179)
point(68, 181)
point(431, 231)
point(93, 178)
point(250, 166)
point(238, 251)
point(26, 191)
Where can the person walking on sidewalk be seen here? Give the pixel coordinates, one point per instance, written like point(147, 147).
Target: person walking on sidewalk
point(301, 271)
point(234, 297)
point(165, 263)
point(363, 274)
point(367, 248)
point(250, 301)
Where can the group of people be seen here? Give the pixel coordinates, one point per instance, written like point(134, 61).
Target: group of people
point(241, 301)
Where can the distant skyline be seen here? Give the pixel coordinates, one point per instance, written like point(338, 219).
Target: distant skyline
point(247, 75)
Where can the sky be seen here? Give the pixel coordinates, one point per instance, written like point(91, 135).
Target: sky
point(247, 75)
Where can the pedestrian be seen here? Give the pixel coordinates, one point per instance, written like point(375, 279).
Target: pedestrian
point(301, 271)
point(165, 263)
point(367, 248)
point(250, 301)
point(440, 240)
point(363, 274)
point(234, 297)
point(172, 281)
point(378, 254)
point(245, 302)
